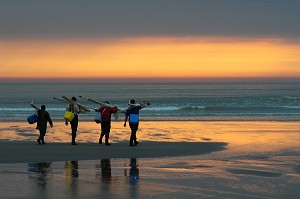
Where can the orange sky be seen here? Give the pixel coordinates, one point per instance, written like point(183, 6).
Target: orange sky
point(147, 57)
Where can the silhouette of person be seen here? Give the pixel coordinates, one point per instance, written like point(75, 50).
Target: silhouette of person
point(106, 122)
point(132, 114)
point(74, 108)
point(43, 119)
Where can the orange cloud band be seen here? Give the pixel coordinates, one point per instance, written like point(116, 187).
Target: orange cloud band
point(149, 58)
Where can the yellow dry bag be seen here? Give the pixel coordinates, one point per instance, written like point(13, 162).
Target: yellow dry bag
point(69, 116)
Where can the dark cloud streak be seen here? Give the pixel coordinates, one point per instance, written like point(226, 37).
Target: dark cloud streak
point(113, 18)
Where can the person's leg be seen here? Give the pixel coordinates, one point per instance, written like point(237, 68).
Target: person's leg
point(134, 128)
point(74, 125)
point(102, 133)
point(106, 131)
point(43, 136)
point(134, 137)
point(131, 135)
point(73, 136)
point(39, 138)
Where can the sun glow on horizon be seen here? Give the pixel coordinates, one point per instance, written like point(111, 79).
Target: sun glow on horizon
point(149, 58)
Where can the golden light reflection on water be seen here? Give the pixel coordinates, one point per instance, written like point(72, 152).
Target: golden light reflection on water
point(251, 135)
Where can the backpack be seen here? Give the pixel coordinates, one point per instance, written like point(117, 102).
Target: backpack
point(32, 119)
point(98, 117)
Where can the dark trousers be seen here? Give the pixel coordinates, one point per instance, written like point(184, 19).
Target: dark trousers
point(74, 125)
point(42, 135)
point(134, 127)
point(105, 130)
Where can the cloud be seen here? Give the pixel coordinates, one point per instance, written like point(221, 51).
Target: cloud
point(115, 18)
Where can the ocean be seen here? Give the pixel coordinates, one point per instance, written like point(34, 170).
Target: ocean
point(170, 101)
point(251, 159)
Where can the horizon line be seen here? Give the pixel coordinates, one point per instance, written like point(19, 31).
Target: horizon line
point(150, 79)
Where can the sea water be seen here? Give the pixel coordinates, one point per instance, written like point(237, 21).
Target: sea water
point(253, 100)
point(261, 160)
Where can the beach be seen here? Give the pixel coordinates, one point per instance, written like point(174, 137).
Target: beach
point(211, 86)
point(173, 160)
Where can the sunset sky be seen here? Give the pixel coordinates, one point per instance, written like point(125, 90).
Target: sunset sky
point(149, 39)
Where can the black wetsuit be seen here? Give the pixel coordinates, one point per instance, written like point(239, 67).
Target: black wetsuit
point(43, 118)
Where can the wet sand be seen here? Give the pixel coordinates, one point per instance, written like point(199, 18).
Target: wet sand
point(156, 139)
point(173, 160)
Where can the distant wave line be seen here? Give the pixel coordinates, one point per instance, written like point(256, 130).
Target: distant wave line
point(171, 108)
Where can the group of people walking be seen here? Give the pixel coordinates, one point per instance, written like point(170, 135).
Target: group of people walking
point(131, 116)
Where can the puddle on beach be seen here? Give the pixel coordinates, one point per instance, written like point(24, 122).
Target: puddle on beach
point(69, 179)
point(177, 177)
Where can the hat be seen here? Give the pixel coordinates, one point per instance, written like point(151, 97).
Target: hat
point(74, 99)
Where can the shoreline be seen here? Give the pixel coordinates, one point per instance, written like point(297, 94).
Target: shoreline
point(201, 118)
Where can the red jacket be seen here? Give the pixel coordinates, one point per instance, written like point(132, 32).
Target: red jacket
point(106, 113)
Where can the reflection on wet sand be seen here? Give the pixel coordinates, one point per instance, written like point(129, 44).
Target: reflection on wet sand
point(134, 174)
point(106, 170)
point(71, 170)
point(103, 171)
point(132, 178)
point(197, 177)
point(107, 178)
point(104, 176)
point(41, 170)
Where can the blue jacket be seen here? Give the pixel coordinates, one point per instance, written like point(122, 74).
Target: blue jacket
point(133, 113)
